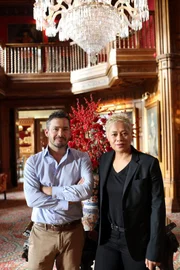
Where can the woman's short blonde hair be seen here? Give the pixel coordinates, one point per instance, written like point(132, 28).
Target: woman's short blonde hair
point(120, 117)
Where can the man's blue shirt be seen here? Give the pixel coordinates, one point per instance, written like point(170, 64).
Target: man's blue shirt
point(63, 177)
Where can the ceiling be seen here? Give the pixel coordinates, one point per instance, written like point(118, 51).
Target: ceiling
point(133, 70)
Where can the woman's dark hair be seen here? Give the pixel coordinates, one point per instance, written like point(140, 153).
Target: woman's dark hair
point(57, 114)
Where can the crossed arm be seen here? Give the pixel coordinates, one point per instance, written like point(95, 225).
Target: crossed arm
point(56, 197)
point(48, 190)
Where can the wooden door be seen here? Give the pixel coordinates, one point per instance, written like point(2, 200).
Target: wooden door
point(41, 140)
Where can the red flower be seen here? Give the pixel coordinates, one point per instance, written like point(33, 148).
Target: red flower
point(72, 144)
point(103, 120)
point(88, 132)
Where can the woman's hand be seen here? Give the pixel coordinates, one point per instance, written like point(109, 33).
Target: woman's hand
point(151, 265)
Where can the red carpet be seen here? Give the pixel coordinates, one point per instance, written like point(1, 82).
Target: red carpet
point(15, 215)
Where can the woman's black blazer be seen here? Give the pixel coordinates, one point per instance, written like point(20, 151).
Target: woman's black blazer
point(143, 205)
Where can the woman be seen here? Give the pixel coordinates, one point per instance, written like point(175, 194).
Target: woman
point(131, 201)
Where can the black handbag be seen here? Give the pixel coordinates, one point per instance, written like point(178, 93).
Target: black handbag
point(171, 245)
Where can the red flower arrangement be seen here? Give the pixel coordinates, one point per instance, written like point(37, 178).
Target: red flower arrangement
point(88, 133)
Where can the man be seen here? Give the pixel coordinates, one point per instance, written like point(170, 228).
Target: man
point(56, 180)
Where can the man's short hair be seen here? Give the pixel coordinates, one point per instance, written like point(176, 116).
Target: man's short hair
point(57, 114)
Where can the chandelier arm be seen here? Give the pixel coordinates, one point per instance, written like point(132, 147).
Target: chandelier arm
point(58, 6)
point(121, 2)
point(133, 13)
point(127, 7)
point(127, 20)
point(57, 13)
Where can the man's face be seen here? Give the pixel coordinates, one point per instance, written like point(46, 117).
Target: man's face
point(58, 133)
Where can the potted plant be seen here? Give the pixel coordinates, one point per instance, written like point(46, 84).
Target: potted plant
point(88, 135)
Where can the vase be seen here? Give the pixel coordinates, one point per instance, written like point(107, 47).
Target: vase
point(90, 207)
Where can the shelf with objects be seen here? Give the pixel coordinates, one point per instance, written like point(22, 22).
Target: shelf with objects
point(26, 143)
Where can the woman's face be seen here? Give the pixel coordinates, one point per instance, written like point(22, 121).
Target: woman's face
point(119, 137)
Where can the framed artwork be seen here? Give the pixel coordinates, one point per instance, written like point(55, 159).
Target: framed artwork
point(153, 129)
point(132, 113)
point(24, 33)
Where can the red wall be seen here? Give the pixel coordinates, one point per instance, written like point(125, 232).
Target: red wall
point(151, 4)
point(5, 21)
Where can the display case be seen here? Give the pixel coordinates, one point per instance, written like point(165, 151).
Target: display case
point(26, 137)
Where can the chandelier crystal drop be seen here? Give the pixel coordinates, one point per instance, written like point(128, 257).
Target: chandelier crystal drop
point(91, 24)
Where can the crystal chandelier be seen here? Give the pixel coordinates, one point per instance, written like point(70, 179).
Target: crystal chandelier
point(91, 24)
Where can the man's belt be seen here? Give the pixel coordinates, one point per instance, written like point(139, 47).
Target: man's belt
point(59, 227)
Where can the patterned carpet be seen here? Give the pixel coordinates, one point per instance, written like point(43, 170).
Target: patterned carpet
point(15, 215)
point(175, 217)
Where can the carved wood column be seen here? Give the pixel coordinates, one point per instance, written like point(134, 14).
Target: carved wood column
point(169, 73)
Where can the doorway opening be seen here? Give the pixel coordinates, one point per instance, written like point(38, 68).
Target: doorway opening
point(30, 136)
